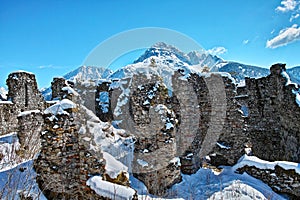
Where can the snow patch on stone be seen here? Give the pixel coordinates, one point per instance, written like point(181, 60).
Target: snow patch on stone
point(70, 90)
point(263, 164)
point(28, 112)
point(142, 163)
point(110, 190)
point(114, 167)
point(60, 107)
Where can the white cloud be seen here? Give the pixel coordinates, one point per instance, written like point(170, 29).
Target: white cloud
point(294, 17)
point(245, 42)
point(287, 5)
point(217, 51)
point(44, 66)
point(49, 67)
point(285, 37)
point(273, 31)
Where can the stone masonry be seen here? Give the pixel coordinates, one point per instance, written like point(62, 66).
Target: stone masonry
point(273, 123)
point(203, 116)
point(64, 163)
point(23, 95)
point(210, 116)
point(279, 179)
point(21, 112)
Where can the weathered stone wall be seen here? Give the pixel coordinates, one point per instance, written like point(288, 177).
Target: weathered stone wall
point(221, 119)
point(56, 86)
point(65, 163)
point(273, 122)
point(87, 92)
point(211, 120)
point(280, 180)
point(23, 95)
point(23, 92)
point(69, 155)
point(198, 107)
point(67, 159)
point(8, 119)
point(201, 112)
point(30, 125)
point(154, 125)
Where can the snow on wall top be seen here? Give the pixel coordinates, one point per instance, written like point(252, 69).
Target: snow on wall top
point(263, 164)
point(60, 107)
point(110, 190)
point(28, 112)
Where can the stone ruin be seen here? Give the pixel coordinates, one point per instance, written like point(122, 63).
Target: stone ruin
point(69, 155)
point(246, 117)
point(21, 113)
point(65, 161)
point(273, 121)
point(263, 110)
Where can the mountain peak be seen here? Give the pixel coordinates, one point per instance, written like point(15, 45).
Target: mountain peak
point(83, 73)
point(165, 46)
point(168, 52)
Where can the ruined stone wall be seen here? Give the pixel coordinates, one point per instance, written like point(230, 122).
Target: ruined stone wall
point(66, 160)
point(69, 155)
point(273, 122)
point(87, 92)
point(65, 163)
point(279, 179)
point(23, 95)
point(30, 125)
point(211, 117)
point(153, 122)
point(23, 92)
point(226, 115)
point(211, 120)
point(196, 109)
point(8, 119)
point(56, 86)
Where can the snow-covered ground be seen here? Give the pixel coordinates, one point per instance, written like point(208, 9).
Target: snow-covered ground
point(8, 145)
point(205, 184)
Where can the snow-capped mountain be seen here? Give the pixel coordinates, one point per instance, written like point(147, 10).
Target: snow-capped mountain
point(161, 60)
point(81, 74)
point(163, 50)
point(240, 71)
point(3, 93)
point(170, 59)
point(84, 73)
point(203, 58)
point(165, 59)
point(173, 57)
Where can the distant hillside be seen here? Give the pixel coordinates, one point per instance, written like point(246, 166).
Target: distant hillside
point(240, 71)
point(294, 74)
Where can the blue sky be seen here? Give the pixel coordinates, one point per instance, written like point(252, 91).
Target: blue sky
point(51, 38)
